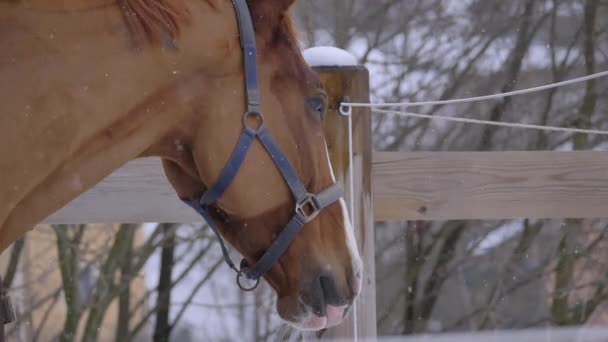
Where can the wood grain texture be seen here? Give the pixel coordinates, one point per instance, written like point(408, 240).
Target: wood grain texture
point(490, 185)
point(354, 82)
point(136, 193)
point(407, 186)
point(550, 334)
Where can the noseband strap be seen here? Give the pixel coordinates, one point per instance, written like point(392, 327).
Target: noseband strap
point(307, 205)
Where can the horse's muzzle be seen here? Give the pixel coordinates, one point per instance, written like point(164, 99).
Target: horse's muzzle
point(327, 301)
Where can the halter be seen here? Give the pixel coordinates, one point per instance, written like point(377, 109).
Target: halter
point(307, 206)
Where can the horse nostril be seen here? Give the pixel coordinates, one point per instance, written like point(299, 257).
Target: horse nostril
point(314, 298)
point(330, 292)
point(324, 294)
point(319, 311)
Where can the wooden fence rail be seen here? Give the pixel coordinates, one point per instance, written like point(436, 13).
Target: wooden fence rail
point(550, 334)
point(406, 186)
point(490, 185)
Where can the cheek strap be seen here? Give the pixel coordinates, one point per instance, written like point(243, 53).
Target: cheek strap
point(307, 205)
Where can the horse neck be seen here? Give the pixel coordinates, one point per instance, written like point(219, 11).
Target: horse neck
point(96, 105)
point(64, 5)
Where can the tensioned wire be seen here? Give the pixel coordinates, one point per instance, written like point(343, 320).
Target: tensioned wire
point(480, 98)
point(375, 107)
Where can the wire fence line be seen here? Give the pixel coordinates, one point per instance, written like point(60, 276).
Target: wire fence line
point(376, 107)
point(481, 98)
point(491, 123)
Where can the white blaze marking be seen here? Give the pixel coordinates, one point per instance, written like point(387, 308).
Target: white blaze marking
point(351, 242)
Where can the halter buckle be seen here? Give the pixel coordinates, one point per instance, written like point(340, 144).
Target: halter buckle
point(308, 208)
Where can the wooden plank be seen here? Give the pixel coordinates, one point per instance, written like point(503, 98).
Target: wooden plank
point(490, 185)
point(138, 192)
point(354, 82)
point(407, 186)
point(551, 334)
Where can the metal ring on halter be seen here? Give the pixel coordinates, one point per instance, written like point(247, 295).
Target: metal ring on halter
point(345, 110)
point(239, 277)
point(257, 116)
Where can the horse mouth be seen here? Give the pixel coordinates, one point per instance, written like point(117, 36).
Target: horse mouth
point(314, 311)
point(332, 316)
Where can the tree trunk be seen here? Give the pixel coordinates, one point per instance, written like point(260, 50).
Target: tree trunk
point(106, 289)
point(162, 329)
point(124, 300)
point(68, 265)
point(13, 262)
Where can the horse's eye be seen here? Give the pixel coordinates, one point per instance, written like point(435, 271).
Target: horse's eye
point(317, 105)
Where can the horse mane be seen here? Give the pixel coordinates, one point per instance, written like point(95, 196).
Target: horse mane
point(288, 26)
point(160, 21)
point(154, 20)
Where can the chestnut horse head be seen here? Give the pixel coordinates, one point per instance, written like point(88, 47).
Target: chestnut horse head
point(93, 86)
point(263, 178)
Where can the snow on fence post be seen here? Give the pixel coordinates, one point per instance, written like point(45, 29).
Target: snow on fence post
point(342, 76)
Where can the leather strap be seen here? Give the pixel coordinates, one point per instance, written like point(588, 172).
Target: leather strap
point(230, 170)
point(307, 205)
point(311, 204)
point(298, 189)
point(248, 44)
point(289, 233)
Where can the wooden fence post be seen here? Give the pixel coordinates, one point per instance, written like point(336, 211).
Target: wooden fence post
point(353, 81)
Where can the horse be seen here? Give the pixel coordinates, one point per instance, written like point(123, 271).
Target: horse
point(88, 85)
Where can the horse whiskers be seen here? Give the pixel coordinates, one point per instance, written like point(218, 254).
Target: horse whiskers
point(288, 333)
